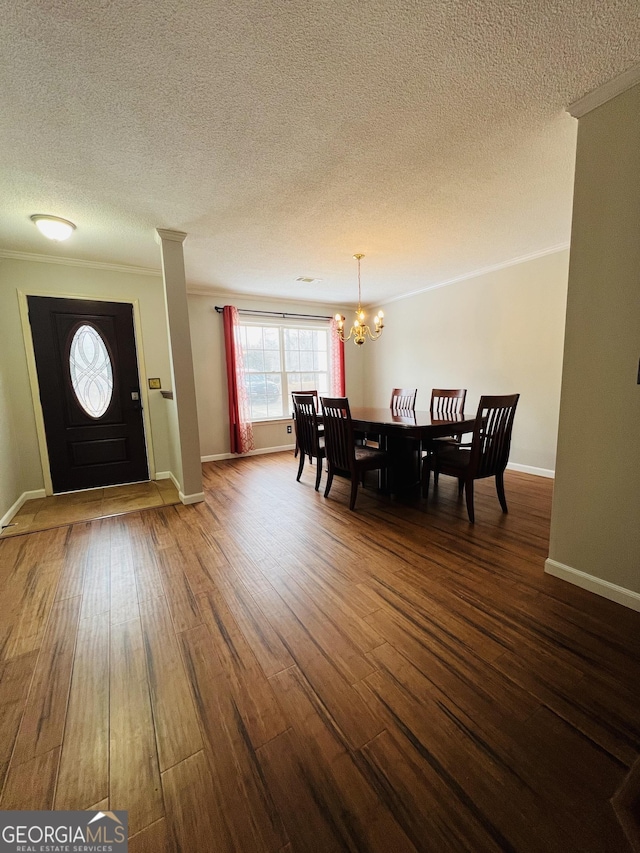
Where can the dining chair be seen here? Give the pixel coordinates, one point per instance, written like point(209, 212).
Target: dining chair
point(343, 454)
point(310, 442)
point(313, 394)
point(403, 398)
point(486, 456)
point(446, 402)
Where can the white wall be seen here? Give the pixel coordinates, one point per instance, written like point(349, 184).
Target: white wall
point(21, 469)
point(210, 372)
point(595, 527)
point(497, 333)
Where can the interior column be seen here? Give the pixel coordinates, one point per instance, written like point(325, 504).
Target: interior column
point(175, 292)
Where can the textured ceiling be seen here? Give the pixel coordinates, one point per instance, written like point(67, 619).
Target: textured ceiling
point(285, 135)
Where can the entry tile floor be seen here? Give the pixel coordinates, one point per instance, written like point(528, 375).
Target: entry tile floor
point(58, 510)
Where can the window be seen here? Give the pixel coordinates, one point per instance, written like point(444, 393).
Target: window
point(279, 359)
point(90, 369)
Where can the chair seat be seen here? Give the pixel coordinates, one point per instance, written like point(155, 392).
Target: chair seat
point(441, 440)
point(369, 454)
point(451, 456)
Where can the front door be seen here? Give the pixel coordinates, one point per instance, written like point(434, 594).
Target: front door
point(90, 391)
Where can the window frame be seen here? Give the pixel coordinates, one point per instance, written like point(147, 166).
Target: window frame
point(283, 374)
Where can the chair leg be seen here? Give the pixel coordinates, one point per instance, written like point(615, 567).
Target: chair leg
point(426, 476)
point(354, 492)
point(300, 467)
point(329, 481)
point(318, 471)
point(469, 495)
point(435, 465)
point(460, 486)
point(500, 490)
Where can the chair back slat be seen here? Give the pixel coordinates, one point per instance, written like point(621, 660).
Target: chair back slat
point(447, 401)
point(403, 398)
point(491, 440)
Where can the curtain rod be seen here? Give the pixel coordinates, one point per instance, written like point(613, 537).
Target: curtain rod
point(281, 314)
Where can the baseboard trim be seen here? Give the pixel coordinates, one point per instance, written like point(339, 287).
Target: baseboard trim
point(218, 457)
point(167, 475)
point(185, 499)
point(619, 594)
point(24, 497)
point(529, 469)
point(191, 499)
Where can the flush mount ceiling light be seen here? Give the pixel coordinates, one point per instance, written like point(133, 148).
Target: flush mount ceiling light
point(360, 331)
point(53, 227)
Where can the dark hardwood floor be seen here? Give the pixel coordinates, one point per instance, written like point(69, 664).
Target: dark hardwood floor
point(268, 671)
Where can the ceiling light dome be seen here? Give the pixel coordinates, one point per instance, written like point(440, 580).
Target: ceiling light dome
point(53, 227)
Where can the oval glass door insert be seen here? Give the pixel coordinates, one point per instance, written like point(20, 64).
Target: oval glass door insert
point(91, 371)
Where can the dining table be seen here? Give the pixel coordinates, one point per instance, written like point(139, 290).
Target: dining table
point(405, 434)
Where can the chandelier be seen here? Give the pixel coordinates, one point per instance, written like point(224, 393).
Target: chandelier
point(360, 331)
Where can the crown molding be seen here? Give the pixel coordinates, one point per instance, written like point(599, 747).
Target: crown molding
point(606, 92)
point(76, 262)
point(169, 234)
point(216, 292)
point(483, 271)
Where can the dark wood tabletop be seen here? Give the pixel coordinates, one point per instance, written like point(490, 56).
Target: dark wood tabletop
point(411, 424)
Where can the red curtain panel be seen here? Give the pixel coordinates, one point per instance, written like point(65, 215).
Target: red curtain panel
point(240, 427)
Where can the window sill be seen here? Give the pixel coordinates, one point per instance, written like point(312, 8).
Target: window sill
point(280, 420)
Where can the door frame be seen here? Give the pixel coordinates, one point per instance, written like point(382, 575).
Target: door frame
point(35, 385)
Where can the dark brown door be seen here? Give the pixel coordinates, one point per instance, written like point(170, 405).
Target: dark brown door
point(90, 392)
